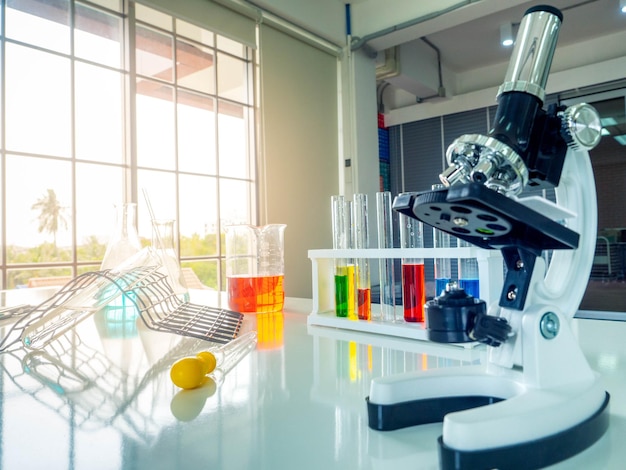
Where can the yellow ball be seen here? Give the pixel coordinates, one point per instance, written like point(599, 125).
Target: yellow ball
point(209, 360)
point(188, 373)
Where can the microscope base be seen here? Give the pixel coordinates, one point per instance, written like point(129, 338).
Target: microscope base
point(528, 428)
point(538, 453)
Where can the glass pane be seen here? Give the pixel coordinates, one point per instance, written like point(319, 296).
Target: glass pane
point(155, 125)
point(606, 290)
point(194, 32)
point(198, 215)
point(236, 203)
point(232, 78)
point(154, 54)
point(98, 36)
point(196, 133)
point(204, 271)
point(98, 188)
point(44, 277)
point(37, 102)
point(99, 113)
point(39, 22)
point(233, 142)
point(115, 5)
point(39, 217)
point(194, 67)
point(161, 189)
point(153, 17)
point(1, 226)
point(232, 47)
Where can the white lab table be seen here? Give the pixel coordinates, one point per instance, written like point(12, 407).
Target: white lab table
point(101, 398)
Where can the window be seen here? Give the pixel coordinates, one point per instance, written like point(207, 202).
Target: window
point(417, 155)
point(102, 100)
point(606, 288)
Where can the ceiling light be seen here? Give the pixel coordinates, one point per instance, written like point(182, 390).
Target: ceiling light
point(622, 6)
point(506, 33)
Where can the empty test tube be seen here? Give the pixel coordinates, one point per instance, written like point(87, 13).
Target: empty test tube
point(385, 265)
point(350, 262)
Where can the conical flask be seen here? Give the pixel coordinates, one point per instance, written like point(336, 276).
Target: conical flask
point(164, 244)
point(123, 245)
point(124, 241)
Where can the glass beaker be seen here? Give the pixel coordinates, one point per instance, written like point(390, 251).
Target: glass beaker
point(164, 244)
point(255, 268)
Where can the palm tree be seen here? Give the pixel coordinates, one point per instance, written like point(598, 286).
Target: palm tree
point(51, 214)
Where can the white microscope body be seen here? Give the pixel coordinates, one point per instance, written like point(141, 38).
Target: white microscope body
point(535, 401)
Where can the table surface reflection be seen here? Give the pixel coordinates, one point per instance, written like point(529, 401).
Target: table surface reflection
point(100, 398)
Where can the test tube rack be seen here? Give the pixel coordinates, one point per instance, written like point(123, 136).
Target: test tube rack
point(490, 271)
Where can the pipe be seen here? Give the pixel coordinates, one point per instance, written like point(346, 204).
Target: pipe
point(361, 42)
point(260, 16)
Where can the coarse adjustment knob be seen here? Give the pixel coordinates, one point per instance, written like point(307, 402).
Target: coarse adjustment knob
point(581, 126)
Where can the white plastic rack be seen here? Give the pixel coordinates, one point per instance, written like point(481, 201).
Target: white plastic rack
point(490, 271)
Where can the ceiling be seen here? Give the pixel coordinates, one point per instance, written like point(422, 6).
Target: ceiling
point(476, 44)
point(466, 35)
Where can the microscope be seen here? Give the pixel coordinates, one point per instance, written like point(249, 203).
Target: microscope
point(534, 401)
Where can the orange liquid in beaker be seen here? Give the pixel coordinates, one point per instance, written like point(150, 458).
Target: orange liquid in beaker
point(256, 294)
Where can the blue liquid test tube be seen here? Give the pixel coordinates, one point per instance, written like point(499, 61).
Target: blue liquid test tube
point(443, 266)
point(468, 273)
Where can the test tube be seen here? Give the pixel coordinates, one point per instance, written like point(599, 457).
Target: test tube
point(443, 267)
point(413, 281)
point(468, 273)
point(361, 241)
point(350, 262)
point(385, 265)
point(339, 242)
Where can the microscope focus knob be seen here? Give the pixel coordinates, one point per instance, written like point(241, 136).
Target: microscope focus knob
point(581, 126)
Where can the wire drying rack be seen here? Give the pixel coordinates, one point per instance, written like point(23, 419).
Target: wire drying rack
point(146, 288)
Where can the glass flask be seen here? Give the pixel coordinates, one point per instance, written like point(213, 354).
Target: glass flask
point(124, 241)
point(164, 243)
point(123, 245)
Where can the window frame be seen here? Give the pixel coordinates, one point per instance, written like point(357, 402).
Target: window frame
point(131, 192)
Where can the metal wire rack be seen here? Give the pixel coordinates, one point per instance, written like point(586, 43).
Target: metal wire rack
point(146, 288)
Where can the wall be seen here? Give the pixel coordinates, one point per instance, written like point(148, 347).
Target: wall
point(300, 150)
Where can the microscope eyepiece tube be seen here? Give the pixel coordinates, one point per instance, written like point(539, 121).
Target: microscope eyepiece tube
point(533, 51)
